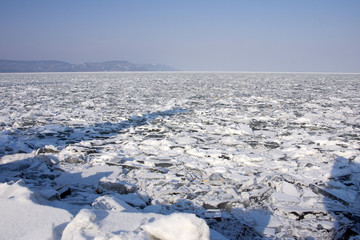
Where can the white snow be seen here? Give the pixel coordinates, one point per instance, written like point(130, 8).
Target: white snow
point(101, 224)
point(178, 226)
point(23, 218)
point(179, 155)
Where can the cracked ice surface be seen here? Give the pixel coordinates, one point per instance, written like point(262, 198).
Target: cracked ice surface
point(266, 155)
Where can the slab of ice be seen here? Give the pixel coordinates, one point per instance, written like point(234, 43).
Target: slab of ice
point(283, 197)
point(289, 189)
point(117, 185)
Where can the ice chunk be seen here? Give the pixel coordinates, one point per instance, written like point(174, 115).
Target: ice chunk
point(81, 227)
point(289, 189)
point(328, 194)
point(132, 199)
point(230, 141)
point(178, 226)
point(73, 159)
point(282, 197)
point(325, 225)
point(245, 129)
point(47, 149)
point(151, 175)
point(186, 140)
point(216, 177)
point(116, 185)
point(308, 194)
point(112, 203)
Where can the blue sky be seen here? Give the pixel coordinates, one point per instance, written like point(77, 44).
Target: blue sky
point(222, 35)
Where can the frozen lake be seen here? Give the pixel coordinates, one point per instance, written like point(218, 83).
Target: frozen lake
point(256, 155)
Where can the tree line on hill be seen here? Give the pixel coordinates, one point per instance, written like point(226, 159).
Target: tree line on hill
point(10, 66)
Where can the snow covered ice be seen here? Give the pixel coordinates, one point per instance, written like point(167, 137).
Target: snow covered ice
point(179, 155)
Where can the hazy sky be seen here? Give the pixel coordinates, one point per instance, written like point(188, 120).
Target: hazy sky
point(222, 35)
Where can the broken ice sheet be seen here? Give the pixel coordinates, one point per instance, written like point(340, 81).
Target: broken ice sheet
point(250, 151)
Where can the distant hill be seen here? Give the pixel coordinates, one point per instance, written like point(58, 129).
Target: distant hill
point(13, 66)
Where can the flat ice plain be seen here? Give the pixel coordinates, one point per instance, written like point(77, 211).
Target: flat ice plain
point(136, 155)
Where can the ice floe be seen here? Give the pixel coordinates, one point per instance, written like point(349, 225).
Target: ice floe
point(179, 155)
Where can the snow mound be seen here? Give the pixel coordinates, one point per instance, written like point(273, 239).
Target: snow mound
point(81, 227)
point(178, 226)
point(22, 218)
point(105, 224)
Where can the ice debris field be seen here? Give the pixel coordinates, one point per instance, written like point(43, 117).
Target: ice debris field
point(179, 156)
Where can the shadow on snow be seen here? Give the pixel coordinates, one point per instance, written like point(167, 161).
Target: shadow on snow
point(53, 187)
point(27, 140)
point(342, 197)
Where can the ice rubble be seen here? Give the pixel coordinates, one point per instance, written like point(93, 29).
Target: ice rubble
point(120, 155)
